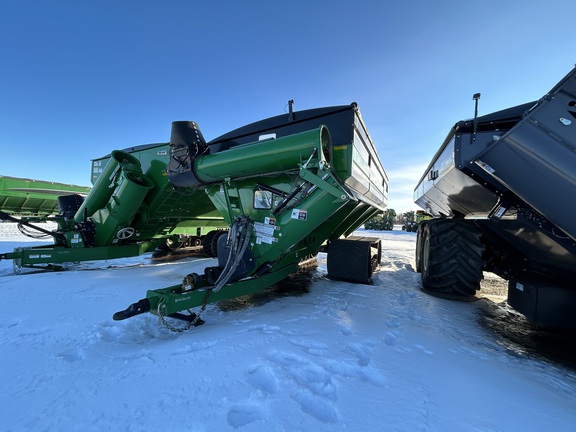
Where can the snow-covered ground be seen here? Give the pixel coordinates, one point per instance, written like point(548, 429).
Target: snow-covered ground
point(335, 357)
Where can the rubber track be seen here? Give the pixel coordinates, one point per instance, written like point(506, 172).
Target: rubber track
point(349, 260)
point(455, 257)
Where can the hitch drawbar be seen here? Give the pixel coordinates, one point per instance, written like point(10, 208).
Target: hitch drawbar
point(143, 306)
point(140, 307)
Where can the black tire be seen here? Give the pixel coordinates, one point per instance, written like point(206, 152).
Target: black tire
point(210, 242)
point(350, 261)
point(451, 257)
point(419, 241)
point(207, 243)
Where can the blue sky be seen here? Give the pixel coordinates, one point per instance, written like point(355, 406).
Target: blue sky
point(81, 78)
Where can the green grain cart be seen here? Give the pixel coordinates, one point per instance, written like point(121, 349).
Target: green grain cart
point(288, 187)
point(131, 209)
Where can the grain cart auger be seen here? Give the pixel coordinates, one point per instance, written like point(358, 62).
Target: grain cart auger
point(501, 189)
point(286, 185)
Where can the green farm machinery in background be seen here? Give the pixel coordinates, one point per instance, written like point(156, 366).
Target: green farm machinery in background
point(288, 186)
point(382, 222)
point(27, 197)
point(412, 220)
point(132, 208)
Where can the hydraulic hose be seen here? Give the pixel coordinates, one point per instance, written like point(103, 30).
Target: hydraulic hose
point(240, 237)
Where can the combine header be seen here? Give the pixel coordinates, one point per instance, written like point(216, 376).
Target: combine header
point(287, 186)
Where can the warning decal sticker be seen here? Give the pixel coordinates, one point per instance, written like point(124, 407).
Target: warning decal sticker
point(299, 214)
point(265, 231)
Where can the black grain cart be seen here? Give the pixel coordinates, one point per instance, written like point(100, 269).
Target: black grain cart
point(502, 193)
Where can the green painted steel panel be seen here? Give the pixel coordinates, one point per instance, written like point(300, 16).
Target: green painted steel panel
point(28, 197)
